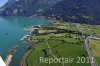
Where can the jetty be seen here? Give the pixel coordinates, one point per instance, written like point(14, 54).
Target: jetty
point(31, 29)
point(25, 37)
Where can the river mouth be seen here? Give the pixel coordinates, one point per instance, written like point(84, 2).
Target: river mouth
point(11, 31)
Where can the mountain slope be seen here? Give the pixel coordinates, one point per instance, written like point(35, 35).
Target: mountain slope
point(29, 7)
point(78, 11)
point(7, 5)
point(81, 11)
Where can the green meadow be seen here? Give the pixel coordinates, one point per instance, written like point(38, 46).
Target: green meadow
point(95, 46)
point(57, 41)
point(58, 49)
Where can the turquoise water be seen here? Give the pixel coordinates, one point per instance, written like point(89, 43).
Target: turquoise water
point(11, 30)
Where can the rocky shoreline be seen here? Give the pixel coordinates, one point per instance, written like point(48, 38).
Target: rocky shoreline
point(10, 56)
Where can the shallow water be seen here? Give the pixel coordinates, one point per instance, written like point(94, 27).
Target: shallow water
point(11, 30)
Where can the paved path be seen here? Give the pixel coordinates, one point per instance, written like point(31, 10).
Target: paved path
point(51, 50)
point(92, 58)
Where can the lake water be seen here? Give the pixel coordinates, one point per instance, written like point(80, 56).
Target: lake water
point(11, 30)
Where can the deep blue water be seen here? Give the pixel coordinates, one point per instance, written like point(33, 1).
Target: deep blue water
point(11, 30)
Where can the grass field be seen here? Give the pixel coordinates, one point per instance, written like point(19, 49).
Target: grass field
point(89, 29)
point(95, 46)
point(57, 45)
point(61, 46)
point(58, 49)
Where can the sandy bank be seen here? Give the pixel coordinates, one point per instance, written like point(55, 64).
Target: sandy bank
point(8, 59)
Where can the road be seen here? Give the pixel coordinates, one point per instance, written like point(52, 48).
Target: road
point(92, 58)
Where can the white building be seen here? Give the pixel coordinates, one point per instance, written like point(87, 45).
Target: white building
point(2, 63)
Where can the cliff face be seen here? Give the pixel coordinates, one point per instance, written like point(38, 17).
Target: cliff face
point(81, 11)
point(7, 5)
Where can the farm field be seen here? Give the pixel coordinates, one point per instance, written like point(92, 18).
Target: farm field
point(95, 47)
point(57, 41)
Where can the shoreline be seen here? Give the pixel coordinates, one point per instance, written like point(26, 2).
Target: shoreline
point(10, 55)
point(22, 63)
point(8, 59)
